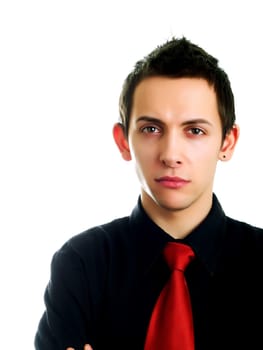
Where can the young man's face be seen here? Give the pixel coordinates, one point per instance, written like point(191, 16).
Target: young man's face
point(175, 141)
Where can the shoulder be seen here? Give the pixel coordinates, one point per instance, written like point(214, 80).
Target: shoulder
point(106, 232)
point(97, 241)
point(244, 228)
point(241, 233)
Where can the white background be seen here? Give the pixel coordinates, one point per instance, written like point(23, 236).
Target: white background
point(62, 64)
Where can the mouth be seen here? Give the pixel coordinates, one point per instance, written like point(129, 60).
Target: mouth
point(173, 182)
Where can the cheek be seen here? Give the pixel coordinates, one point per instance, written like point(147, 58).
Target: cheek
point(204, 161)
point(143, 162)
point(205, 152)
point(143, 154)
point(143, 165)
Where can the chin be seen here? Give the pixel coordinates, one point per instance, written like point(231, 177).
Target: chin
point(172, 205)
point(172, 208)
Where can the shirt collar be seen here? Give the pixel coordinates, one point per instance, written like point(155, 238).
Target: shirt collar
point(206, 239)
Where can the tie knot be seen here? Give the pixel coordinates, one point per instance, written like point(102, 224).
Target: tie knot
point(178, 255)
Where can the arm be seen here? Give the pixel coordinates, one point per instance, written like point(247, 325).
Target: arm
point(67, 318)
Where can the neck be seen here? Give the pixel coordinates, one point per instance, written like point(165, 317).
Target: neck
point(177, 222)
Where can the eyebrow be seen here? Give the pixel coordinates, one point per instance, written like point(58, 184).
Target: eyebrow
point(145, 118)
point(197, 121)
point(192, 121)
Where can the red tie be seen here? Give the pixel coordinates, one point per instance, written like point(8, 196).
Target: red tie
point(171, 324)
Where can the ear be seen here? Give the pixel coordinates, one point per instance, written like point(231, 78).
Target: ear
point(121, 141)
point(229, 143)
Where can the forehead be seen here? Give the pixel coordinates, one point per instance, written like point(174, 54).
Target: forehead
point(178, 96)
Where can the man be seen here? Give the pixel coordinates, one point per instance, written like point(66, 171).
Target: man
point(177, 121)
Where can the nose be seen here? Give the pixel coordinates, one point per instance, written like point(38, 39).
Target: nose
point(170, 154)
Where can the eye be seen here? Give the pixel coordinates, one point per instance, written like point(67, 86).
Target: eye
point(196, 131)
point(150, 129)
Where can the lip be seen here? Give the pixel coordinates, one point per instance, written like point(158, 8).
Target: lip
point(173, 182)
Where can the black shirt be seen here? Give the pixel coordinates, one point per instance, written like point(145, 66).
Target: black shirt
point(105, 281)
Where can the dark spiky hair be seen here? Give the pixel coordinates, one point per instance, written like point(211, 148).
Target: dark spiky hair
point(178, 58)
